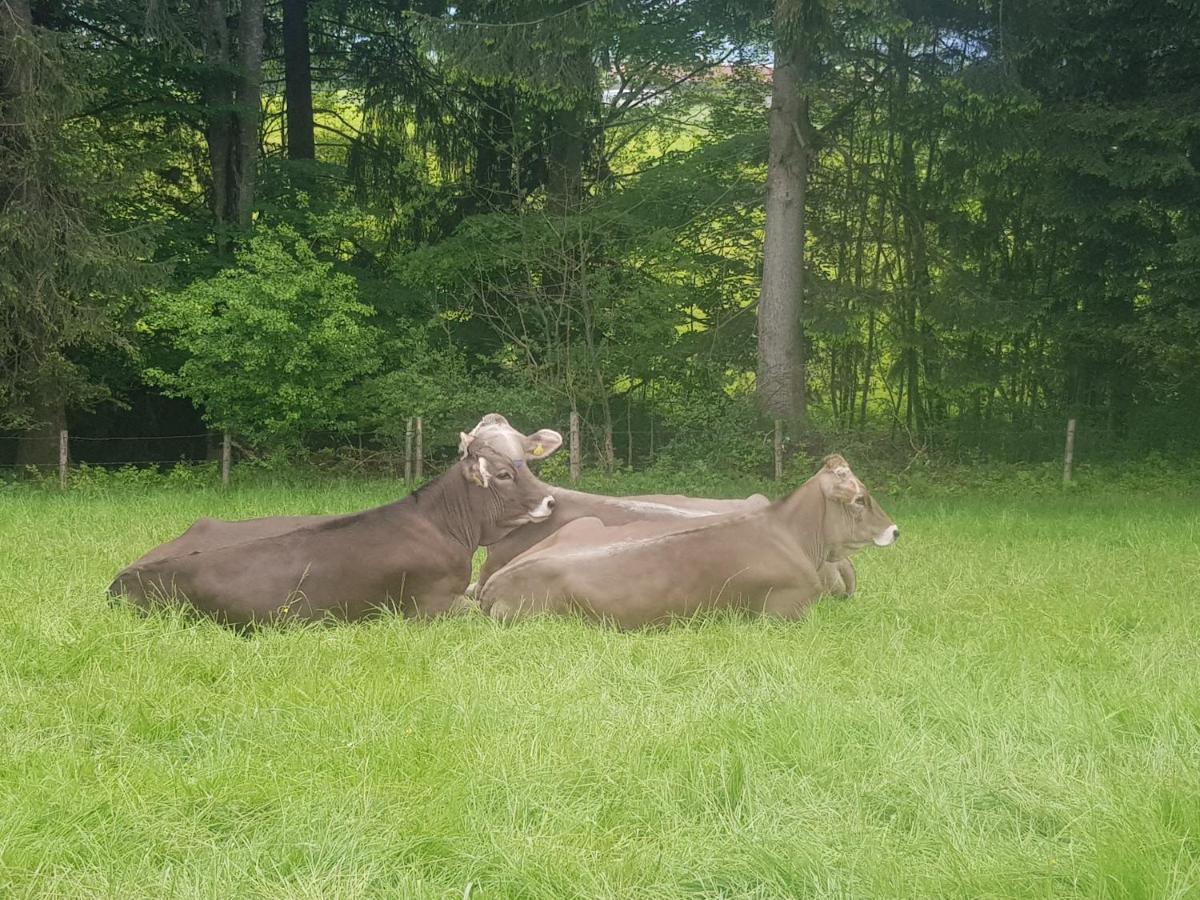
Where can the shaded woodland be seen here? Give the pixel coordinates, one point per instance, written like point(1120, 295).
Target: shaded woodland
point(941, 227)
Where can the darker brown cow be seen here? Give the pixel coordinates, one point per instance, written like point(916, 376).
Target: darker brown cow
point(412, 556)
point(775, 561)
point(211, 534)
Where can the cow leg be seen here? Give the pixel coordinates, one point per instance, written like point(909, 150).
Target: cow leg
point(789, 603)
point(445, 598)
point(849, 577)
point(838, 578)
point(507, 610)
point(461, 605)
point(511, 609)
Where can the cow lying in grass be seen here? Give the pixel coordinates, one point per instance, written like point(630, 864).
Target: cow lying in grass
point(774, 561)
point(412, 556)
point(493, 429)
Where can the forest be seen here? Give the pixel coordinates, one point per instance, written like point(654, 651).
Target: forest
point(937, 227)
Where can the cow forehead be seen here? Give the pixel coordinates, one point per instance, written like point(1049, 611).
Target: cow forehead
point(497, 455)
point(501, 438)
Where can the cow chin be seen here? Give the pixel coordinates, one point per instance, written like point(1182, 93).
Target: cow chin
point(539, 513)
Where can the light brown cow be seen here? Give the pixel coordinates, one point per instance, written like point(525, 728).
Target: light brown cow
point(412, 556)
point(774, 561)
point(493, 429)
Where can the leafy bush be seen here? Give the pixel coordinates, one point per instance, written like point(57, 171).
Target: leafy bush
point(271, 344)
point(727, 436)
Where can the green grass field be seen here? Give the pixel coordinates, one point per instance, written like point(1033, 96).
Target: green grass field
point(1009, 707)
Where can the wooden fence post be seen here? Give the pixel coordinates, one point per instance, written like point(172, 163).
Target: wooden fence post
point(419, 457)
point(1069, 454)
point(63, 458)
point(575, 454)
point(226, 458)
point(778, 449)
point(408, 444)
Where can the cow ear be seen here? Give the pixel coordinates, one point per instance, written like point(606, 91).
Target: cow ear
point(542, 443)
point(844, 490)
point(844, 486)
point(464, 443)
point(477, 472)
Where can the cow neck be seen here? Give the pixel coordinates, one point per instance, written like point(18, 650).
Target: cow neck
point(804, 513)
point(449, 509)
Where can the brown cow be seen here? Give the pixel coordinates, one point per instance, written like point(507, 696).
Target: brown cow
point(413, 555)
point(211, 534)
point(572, 505)
point(774, 561)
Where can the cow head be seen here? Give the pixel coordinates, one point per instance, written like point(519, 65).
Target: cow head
point(502, 489)
point(494, 431)
point(853, 519)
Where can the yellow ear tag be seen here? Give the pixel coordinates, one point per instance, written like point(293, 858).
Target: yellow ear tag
point(539, 450)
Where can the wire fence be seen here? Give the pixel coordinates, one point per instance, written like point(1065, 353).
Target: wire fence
point(412, 453)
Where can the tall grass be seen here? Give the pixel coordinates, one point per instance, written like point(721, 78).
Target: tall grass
point(1009, 707)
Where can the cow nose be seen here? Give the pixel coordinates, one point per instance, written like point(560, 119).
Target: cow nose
point(895, 533)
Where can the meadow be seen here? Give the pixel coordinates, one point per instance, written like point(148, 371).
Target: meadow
point(1010, 707)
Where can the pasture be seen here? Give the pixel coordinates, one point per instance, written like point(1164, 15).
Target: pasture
point(1009, 707)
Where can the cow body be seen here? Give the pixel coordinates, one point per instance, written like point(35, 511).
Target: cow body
point(774, 560)
point(210, 533)
point(412, 556)
point(570, 506)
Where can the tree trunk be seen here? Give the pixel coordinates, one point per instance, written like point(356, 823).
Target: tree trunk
point(564, 176)
point(18, 84)
point(497, 164)
point(868, 362)
point(916, 268)
point(233, 99)
point(781, 364)
point(16, 21)
point(609, 450)
point(250, 55)
point(218, 100)
point(297, 76)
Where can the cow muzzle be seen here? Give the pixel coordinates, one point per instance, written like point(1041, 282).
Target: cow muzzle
point(542, 511)
point(887, 537)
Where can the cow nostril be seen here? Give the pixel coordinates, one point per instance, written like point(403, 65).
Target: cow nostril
point(550, 501)
point(895, 533)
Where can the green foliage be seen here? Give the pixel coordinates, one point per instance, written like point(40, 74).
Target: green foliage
point(425, 375)
point(561, 207)
point(271, 344)
point(723, 436)
point(67, 258)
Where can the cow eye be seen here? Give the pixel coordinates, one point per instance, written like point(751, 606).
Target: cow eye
point(504, 476)
point(860, 500)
